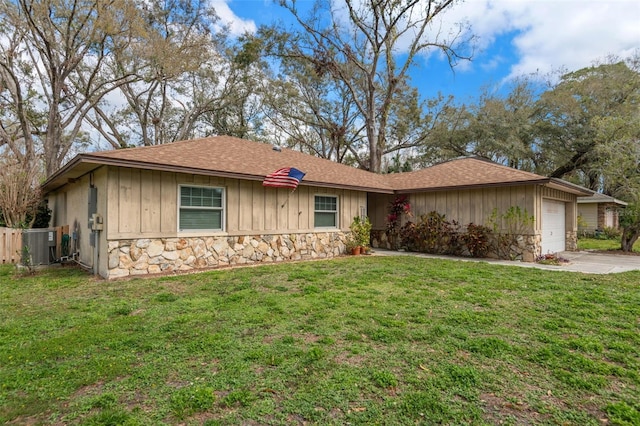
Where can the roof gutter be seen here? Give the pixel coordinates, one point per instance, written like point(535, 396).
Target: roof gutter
point(472, 186)
point(57, 180)
point(601, 198)
point(569, 187)
point(62, 170)
point(550, 182)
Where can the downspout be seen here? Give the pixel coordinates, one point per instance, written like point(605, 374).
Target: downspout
point(96, 251)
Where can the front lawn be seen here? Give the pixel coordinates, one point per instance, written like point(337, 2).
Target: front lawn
point(367, 340)
point(603, 244)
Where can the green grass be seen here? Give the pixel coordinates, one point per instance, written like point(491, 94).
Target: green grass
point(603, 244)
point(369, 340)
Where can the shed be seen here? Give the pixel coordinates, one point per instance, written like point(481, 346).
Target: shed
point(597, 212)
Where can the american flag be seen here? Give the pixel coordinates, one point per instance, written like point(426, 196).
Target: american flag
point(287, 177)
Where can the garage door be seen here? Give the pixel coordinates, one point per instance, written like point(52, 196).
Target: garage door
point(553, 230)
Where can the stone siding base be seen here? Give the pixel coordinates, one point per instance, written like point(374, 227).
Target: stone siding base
point(152, 256)
point(526, 248)
point(571, 241)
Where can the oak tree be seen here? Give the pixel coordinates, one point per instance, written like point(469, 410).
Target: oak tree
point(51, 70)
point(369, 47)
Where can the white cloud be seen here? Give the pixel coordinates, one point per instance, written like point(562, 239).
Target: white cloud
point(542, 35)
point(553, 34)
point(492, 64)
point(237, 25)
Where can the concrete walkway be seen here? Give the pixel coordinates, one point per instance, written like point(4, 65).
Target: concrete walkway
point(579, 261)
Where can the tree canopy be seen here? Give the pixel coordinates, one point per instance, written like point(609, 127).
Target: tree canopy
point(365, 49)
point(53, 71)
point(584, 128)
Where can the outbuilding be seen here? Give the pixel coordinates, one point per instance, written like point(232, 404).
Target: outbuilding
point(597, 212)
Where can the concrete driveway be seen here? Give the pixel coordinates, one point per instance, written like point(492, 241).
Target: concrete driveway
point(599, 263)
point(579, 261)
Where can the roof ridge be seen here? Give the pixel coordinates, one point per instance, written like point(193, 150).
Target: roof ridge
point(149, 147)
point(469, 157)
point(495, 164)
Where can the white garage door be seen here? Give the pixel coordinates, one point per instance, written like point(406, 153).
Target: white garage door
point(553, 230)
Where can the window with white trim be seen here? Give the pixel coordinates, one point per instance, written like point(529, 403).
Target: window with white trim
point(201, 208)
point(325, 211)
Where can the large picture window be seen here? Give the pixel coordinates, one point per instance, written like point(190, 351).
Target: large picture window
point(326, 211)
point(201, 208)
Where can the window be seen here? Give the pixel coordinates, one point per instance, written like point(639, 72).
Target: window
point(201, 208)
point(326, 212)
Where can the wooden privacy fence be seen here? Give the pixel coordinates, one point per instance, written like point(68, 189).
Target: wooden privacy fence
point(11, 243)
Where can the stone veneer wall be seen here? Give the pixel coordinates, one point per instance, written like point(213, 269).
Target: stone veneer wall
point(528, 248)
point(571, 241)
point(151, 256)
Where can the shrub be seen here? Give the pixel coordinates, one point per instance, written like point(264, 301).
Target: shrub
point(432, 234)
point(476, 240)
point(361, 231)
point(611, 233)
point(398, 207)
point(409, 236)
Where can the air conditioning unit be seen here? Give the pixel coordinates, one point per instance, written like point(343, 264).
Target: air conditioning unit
point(38, 246)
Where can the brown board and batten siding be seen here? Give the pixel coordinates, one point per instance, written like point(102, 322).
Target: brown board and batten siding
point(71, 208)
point(144, 204)
point(465, 206)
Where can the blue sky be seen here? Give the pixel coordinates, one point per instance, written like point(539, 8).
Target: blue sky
point(514, 38)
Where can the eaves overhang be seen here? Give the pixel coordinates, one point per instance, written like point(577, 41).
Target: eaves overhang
point(572, 188)
point(597, 198)
point(471, 186)
point(74, 169)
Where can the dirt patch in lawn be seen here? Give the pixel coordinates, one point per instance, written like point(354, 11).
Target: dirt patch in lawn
point(497, 410)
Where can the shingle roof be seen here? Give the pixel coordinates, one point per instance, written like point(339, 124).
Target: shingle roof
point(230, 157)
point(238, 158)
point(600, 198)
point(463, 172)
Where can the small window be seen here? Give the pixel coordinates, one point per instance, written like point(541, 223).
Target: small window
point(326, 211)
point(201, 208)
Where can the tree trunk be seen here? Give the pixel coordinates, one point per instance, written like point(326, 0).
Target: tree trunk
point(629, 238)
point(375, 155)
